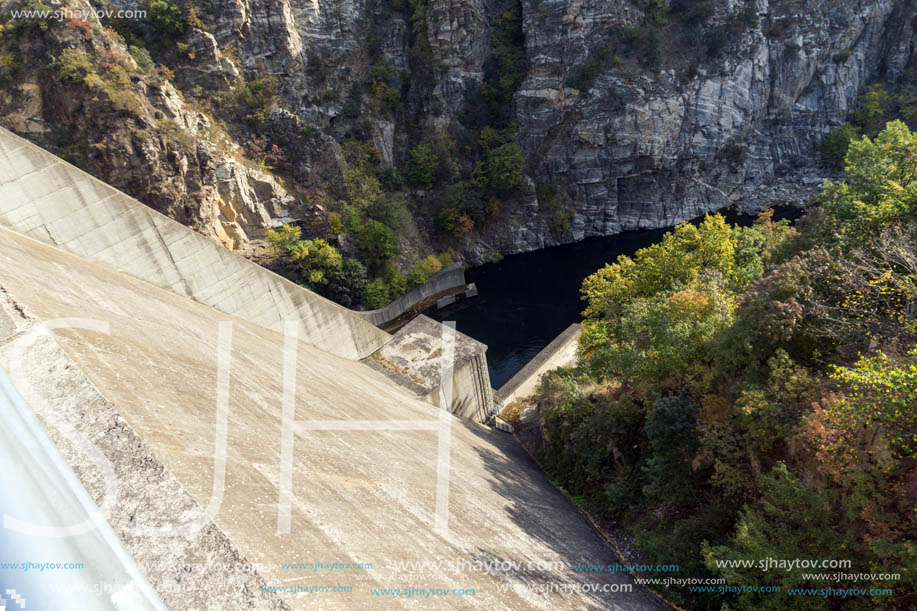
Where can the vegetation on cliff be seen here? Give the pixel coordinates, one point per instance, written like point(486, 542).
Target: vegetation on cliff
point(751, 392)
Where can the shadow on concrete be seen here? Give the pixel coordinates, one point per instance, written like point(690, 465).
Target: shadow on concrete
point(544, 513)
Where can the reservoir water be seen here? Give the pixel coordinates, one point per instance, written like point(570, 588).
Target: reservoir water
point(524, 301)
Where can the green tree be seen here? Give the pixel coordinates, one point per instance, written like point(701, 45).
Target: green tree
point(882, 393)
point(422, 166)
point(317, 259)
point(376, 242)
point(375, 295)
point(880, 186)
point(346, 285)
point(874, 107)
point(505, 168)
point(166, 17)
point(678, 258)
point(281, 240)
point(834, 146)
point(791, 521)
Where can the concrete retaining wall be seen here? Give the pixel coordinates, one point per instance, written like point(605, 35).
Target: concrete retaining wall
point(472, 396)
point(449, 278)
point(559, 353)
point(43, 197)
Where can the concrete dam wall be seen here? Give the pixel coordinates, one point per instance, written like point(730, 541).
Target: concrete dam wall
point(146, 394)
point(44, 197)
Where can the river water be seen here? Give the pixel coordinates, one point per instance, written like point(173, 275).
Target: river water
point(524, 301)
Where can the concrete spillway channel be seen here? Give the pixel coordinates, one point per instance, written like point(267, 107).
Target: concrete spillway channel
point(147, 388)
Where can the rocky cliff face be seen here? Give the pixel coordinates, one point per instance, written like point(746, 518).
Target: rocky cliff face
point(635, 119)
point(644, 150)
point(137, 132)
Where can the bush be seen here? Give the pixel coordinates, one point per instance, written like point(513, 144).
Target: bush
point(584, 75)
point(560, 222)
point(335, 222)
point(418, 276)
point(655, 12)
point(391, 211)
point(835, 144)
point(792, 521)
point(142, 57)
point(505, 68)
point(346, 285)
point(165, 17)
point(74, 65)
point(422, 166)
point(375, 294)
point(884, 393)
point(694, 13)
point(376, 242)
point(881, 186)
point(257, 95)
point(505, 168)
point(452, 221)
point(396, 281)
point(716, 41)
point(431, 265)
point(874, 107)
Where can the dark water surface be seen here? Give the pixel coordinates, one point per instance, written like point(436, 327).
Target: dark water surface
point(526, 300)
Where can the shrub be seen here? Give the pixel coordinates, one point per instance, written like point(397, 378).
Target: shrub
point(375, 294)
point(716, 41)
point(791, 521)
point(282, 240)
point(346, 285)
point(881, 392)
point(505, 168)
point(396, 281)
point(142, 57)
point(335, 222)
point(560, 222)
point(694, 13)
point(431, 265)
point(8, 66)
point(257, 95)
point(835, 144)
point(422, 166)
point(376, 242)
point(873, 108)
point(417, 277)
point(505, 68)
point(452, 221)
point(317, 259)
point(74, 65)
point(881, 186)
point(655, 12)
point(392, 211)
point(584, 75)
point(166, 17)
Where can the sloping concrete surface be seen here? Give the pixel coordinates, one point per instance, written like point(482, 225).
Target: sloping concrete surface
point(358, 496)
point(46, 198)
point(147, 494)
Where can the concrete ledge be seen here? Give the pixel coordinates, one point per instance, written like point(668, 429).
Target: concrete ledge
point(561, 352)
point(47, 199)
point(445, 280)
